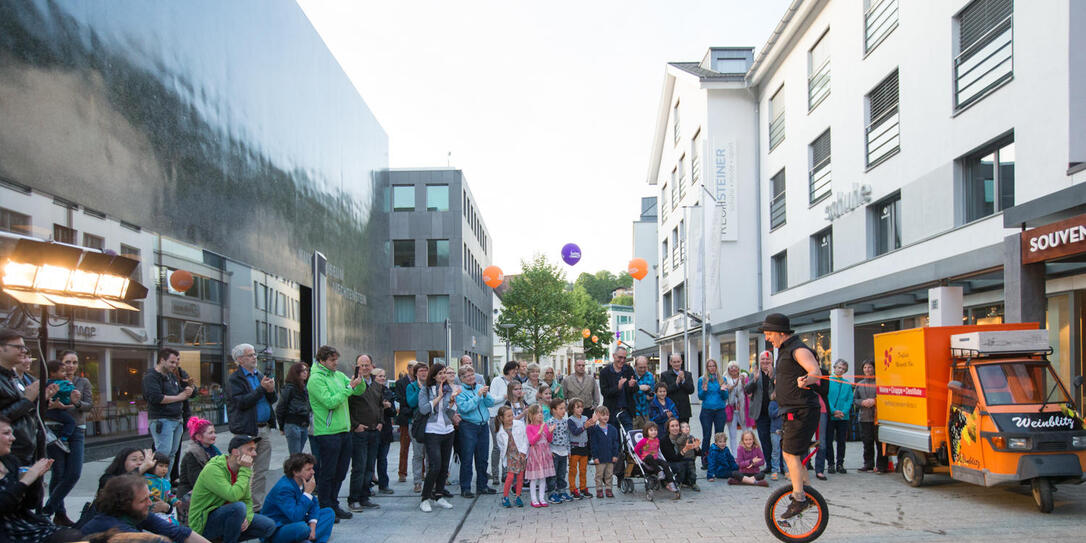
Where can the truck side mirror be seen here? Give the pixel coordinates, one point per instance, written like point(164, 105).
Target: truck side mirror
point(956, 386)
point(1077, 381)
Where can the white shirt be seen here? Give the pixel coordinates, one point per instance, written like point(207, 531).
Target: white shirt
point(499, 387)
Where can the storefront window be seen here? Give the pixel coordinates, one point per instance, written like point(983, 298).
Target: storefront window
point(1058, 319)
point(988, 314)
point(819, 340)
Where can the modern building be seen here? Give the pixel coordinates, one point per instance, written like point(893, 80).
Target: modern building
point(621, 322)
point(646, 299)
point(441, 309)
point(222, 139)
point(858, 174)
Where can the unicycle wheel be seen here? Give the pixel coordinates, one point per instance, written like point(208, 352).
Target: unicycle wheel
point(806, 526)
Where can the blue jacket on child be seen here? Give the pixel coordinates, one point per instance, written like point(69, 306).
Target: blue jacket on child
point(605, 447)
point(721, 463)
point(775, 419)
point(658, 413)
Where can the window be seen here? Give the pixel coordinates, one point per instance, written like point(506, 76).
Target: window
point(819, 178)
point(403, 198)
point(779, 271)
point(680, 176)
point(822, 253)
point(776, 118)
point(678, 297)
point(675, 122)
point(63, 234)
point(663, 254)
point(776, 200)
point(403, 253)
point(674, 190)
point(818, 72)
point(988, 177)
point(437, 308)
point(882, 121)
point(665, 305)
point(887, 220)
point(695, 159)
point(664, 208)
point(880, 19)
point(675, 247)
point(92, 241)
point(437, 252)
point(437, 198)
point(985, 49)
point(14, 222)
point(128, 318)
point(404, 308)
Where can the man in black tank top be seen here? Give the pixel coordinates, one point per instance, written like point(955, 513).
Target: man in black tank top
point(797, 371)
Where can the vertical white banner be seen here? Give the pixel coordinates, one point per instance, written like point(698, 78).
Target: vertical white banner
point(725, 189)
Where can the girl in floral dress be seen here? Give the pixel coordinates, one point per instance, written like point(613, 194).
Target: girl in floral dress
point(540, 463)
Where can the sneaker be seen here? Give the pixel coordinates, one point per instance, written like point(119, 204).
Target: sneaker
point(418, 488)
point(386, 491)
point(518, 502)
point(554, 498)
point(775, 476)
point(677, 496)
point(61, 519)
point(865, 469)
point(486, 490)
point(567, 497)
point(506, 503)
point(467, 494)
point(832, 470)
point(841, 470)
point(341, 514)
point(795, 508)
point(585, 494)
point(672, 487)
point(355, 507)
point(599, 494)
point(576, 494)
point(609, 493)
point(443, 503)
point(425, 506)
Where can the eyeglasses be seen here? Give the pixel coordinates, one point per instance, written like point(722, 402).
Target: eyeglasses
point(22, 348)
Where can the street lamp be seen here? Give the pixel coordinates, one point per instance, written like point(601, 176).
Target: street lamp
point(47, 274)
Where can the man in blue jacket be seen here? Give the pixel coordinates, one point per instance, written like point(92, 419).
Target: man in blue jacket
point(250, 399)
point(293, 507)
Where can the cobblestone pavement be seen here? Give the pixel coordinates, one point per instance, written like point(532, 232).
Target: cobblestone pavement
point(863, 508)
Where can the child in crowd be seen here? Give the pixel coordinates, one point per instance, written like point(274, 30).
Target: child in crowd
point(560, 448)
point(689, 446)
point(579, 451)
point(512, 439)
point(543, 398)
point(648, 450)
point(751, 462)
point(64, 396)
point(540, 462)
point(661, 408)
point(515, 400)
point(603, 441)
point(158, 483)
point(721, 461)
point(776, 464)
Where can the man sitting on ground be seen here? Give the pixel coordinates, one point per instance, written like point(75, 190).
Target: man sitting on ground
point(222, 505)
point(124, 503)
point(293, 507)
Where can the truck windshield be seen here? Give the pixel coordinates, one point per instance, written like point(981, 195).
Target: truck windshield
point(1019, 383)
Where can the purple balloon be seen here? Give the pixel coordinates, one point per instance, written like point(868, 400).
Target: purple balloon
point(571, 253)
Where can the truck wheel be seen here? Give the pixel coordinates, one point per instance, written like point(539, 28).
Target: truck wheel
point(1042, 494)
point(911, 469)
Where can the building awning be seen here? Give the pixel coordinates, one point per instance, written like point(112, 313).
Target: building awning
point(1059, 205)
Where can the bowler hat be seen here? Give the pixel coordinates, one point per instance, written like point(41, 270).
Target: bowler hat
point(776, 322)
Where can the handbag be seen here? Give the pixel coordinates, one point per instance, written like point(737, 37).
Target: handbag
point(729, 412)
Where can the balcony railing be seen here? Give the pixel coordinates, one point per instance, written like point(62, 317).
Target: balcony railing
point(818, 86)
point(879, 21)
point(984, 65)
point(883, 137)
point(819, 181)
point(776, 131)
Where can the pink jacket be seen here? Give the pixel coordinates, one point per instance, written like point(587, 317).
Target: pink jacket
point(537, 432)
point(745, 459)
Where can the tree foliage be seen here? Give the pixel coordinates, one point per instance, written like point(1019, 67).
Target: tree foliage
point(601, 284)
point(624, 299)
point(540, 308)
point(590, 314)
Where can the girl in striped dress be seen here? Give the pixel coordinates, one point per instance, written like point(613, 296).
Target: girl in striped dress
point(540, 463)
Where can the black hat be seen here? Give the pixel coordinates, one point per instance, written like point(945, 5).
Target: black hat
point(240, 441)
point(776, 322)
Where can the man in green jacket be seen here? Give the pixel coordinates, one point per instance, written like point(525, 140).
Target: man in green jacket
point(222, 506)
point(328, 393)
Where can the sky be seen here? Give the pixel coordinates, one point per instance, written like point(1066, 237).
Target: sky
point(548, 108)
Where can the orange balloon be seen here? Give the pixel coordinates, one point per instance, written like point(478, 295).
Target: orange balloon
point(493, 276)
point(595, 339)
point(181, 280)
point(586, 332)
point(638, 268)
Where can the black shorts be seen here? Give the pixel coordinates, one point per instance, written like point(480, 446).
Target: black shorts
point(798, 428)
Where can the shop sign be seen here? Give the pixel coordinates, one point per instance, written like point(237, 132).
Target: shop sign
point(186, 309)
point(1056, 240)
point(86, 331)
point(845, 202)
point(725, 193)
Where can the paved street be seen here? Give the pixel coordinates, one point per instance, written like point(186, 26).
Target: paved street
point(864, 507)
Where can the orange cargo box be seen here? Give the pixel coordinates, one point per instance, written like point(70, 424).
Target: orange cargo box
point(912, 369)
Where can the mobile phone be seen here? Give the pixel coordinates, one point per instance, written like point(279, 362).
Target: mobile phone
point(357, 370)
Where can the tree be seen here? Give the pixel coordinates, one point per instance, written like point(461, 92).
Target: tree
point(540, 309)
point(601, 284)
point(590, 314)
point(624, 299)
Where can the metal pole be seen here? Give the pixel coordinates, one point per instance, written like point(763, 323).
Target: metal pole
point(686, 290)
point(43, 378)
point(706, 238)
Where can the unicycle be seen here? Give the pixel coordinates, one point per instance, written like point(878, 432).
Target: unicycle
point(806, 526)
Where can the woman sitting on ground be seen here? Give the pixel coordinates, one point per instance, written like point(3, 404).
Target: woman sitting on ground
point(21, 494)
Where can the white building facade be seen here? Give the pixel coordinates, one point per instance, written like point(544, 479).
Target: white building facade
point(870, 160)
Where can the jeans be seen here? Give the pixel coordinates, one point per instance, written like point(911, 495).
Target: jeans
point(225, 523)
point(66, 420)
point(836, 431)
point(712, 420)
point(765, 439)
point(66, 471)
point(418, 462)
point(166, 434)
point(474, 445)
point(296, 437)
point(363, 461)
point(438, 453)
point(820, 457)
point(775, 460)
point(557, 483)
point(382, 463)
point(685, 473)
point(335, 456)
point(299, 531)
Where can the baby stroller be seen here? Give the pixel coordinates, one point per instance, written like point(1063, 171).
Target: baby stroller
point(635, 467)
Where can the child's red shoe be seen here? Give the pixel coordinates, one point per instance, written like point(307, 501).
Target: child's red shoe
point(576, 495)
point(609, 494)
point(599, 493)
point(585, 493)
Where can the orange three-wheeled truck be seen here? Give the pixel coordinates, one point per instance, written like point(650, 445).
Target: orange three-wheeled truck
point(981, 402)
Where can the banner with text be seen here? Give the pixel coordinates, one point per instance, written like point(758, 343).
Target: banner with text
point(725, 185)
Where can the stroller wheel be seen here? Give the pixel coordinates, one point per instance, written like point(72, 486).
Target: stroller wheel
point(626, 486)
